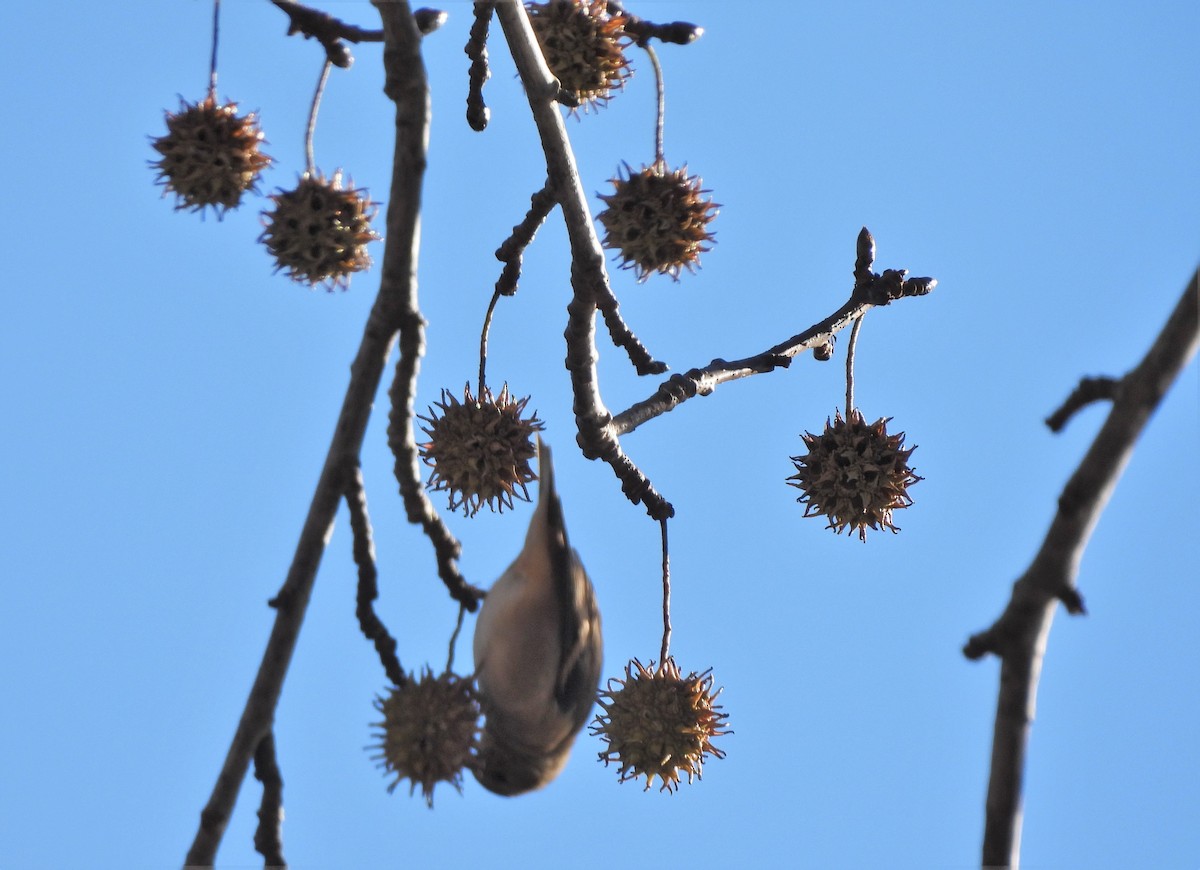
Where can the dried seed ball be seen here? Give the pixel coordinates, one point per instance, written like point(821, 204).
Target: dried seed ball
point(855, 475)
point(318, 232)
point(658, 723)
point(479, 449)
point(584, 47)
point(210, 155)
point(429, 732)
point(657, 220)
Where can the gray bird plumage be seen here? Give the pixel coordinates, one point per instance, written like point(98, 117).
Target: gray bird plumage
point(538, 653)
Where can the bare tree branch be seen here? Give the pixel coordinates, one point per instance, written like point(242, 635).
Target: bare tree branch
point(870, 290)
point(476, 49)
point(268, 837)
point(396, 299)
point(369, 622)
point(1087, 391)
point(589, 279)
point(1019, 636)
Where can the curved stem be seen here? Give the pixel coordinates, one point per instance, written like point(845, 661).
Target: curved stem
point(310, 164)
point(454, 638)
point(483, 343)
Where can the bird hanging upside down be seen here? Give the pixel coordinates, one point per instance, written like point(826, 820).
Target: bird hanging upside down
point(538, 653)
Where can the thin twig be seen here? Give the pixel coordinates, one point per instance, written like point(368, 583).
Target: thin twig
point(1088, 390)
point(483, 343)
point(402, 60)
point(660, 159)
point(666, 603)
point(512, 249)
point(369, 622)
point(454, 639)
point(870, 290)
point(327, 30)
point(677, 32)
point(477, 111)
point(311, 129)
point(1019, 635)
point(589, 279)
point(850, 348)
point(268, 836)
point(212, 64)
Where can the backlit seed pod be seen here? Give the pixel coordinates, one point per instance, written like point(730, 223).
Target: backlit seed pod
point(429, 732)
point(657, 219)
point(584, 46)
point(210, 155)
point(658, 723)
point(854, 474)
point(479, 449)
point(318, 232)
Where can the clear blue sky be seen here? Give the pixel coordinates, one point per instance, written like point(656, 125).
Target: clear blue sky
point(167, 403)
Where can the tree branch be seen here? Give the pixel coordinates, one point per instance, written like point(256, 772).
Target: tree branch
point(1087, 391)
point(268, 838)
point(369, 622)
point(403, 62)
point(1019, 636)
point(870, 289)
point(589, 279)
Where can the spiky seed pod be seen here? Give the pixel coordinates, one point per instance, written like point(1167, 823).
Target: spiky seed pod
point(658, 723)
point(479, 449)
point(210, 155)
point(657, 219)
point(854, 474)
point(584, 47)
point(429, 732)
point(318, 232)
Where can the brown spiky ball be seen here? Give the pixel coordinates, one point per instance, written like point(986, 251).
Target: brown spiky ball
point(318, 231)
point(210, 155)
point(657, 219)
point(854, 474)
point(429, 732)
point(584, 46)
point(480, 448)
point(659, 724)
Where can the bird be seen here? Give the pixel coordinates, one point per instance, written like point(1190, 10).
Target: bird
point(538, 654)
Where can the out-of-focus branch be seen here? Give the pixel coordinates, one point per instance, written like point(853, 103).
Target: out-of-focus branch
point(403, 62)
point(330, 31)
point(1019, 636)
point(1087, 391)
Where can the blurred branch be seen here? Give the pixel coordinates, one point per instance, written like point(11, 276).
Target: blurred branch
point(327, 30)
point(407, 86)
point(330, 31)
point(1019, 636)
point(1088, 390)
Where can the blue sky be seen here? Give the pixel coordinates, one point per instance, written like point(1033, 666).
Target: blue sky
point(168, 403)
